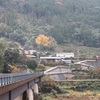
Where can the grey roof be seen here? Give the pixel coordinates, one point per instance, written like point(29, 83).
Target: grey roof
point(62, 69)
point(91, 63)
point(59, 73)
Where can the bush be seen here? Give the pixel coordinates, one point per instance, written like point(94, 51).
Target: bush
point(82, 86)
point(41, 97)
point(96, 72)
point(48, 84)
point(31, 63)
point(40, 67)
point(63, 91)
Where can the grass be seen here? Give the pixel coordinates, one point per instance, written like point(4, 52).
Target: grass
point(47, 98)
point(83, 50)
point(73, 95)
point(69, 94)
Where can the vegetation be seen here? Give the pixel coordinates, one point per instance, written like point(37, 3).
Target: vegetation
point(85, 90)
point(42, 40)
point(10, 57)
point(83, 86)
point(74, 91)
point(61, 22)
point(49, 85)
point(96, 72)
point(45, 42)
point(75, 22)
point(31, 63)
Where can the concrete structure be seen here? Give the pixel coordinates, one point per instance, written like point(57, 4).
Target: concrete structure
point(19, 86)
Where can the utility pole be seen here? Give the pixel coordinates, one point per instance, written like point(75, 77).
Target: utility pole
point(78, 54)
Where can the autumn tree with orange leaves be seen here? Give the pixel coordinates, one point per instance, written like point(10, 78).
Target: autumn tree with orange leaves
point(46, 42)
point(42, 40)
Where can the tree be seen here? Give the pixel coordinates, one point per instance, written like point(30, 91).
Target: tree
point(48, 85)
point(31, 63)
point(42, 40)
point(46, 41)
point(53, 44)
point(3, 47)
point(21, 20)
point(96, 72)
point(11, 56)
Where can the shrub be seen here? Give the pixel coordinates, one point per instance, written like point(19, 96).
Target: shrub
point(40, 67)
point(41, 97)
point(31, 63)
point(82, 86)
point(96, 72)
point(48, 84)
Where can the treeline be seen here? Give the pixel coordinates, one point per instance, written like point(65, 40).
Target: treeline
point(67, 21)
point(11, 57)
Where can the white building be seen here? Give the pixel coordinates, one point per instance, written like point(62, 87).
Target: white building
point(65, 55)
point(31, 53)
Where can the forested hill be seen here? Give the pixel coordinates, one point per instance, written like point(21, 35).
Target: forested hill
point(67, 21)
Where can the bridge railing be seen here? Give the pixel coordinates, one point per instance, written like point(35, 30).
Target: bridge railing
point(6, 79)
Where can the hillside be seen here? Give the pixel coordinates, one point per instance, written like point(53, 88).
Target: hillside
point(67, 21)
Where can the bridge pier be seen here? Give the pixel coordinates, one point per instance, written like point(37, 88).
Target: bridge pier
point(30, 94)
point(19, 97)
point(35, 88)
point(36, 91)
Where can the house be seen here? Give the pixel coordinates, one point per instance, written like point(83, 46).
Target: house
point(60, 58)
point(98, 57)
point(65, 55)
point(88, 63)
point(67, 62)
point(31, 53)
point(59, 73)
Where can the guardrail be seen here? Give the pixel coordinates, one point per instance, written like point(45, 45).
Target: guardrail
point(6, 79)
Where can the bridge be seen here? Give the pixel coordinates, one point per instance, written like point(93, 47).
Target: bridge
point(20, 86)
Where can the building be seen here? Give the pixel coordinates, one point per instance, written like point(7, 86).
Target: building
point(59, 58)
point(59, 73)
point(88, 63)
point(65, 55)
point(31, 53)
point(51, 60)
